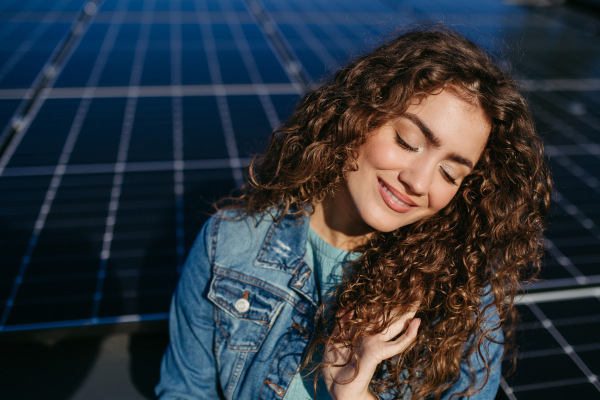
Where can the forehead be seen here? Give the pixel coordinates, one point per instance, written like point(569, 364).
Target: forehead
point(460, 125)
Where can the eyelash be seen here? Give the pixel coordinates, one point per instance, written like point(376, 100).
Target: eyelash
point(448, 177)
point(406, 146)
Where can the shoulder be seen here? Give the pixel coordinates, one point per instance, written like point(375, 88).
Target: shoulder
point(232, 238)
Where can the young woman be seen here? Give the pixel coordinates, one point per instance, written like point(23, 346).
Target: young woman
point(380, 242)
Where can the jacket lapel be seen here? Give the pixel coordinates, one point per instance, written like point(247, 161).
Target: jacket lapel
point(284, 249)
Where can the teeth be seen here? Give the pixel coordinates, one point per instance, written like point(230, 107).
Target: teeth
point(392, 196)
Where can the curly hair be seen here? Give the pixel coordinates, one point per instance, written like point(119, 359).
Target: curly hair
point(485, 242)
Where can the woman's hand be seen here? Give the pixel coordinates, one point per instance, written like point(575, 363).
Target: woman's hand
point(371, 350)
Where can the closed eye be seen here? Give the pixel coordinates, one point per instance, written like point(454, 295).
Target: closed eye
point(448, 177)
point(405, 145)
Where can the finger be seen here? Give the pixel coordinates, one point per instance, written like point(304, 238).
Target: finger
point(400, 344)
point(398, 326)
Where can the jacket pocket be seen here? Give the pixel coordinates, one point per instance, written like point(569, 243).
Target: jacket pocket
point(246, 309)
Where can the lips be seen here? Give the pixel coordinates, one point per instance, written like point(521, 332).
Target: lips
point(394, 199)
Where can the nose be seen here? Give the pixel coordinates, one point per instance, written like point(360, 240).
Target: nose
point(417, 178)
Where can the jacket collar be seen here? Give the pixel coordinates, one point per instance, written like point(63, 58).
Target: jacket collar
point(284, 249)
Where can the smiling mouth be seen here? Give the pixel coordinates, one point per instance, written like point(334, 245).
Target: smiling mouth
point(404, 206)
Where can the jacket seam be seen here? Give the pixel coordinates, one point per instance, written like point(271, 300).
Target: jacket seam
point(260, 283)
point(283, 342)
point(214, 238)
point(218, 300)
point(267, 243)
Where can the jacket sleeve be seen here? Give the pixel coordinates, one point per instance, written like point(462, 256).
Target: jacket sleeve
point(188, 369)
point(493, 354)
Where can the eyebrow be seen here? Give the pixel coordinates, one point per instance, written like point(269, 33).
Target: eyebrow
point(431, 138)
point(461, 160)
point(435, 141)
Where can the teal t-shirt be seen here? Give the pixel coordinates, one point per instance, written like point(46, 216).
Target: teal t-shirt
point(327, 263)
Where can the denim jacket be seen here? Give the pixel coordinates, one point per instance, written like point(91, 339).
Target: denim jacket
point(243, 314)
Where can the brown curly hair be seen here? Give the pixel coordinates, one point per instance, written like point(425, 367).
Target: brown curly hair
point(486, 241)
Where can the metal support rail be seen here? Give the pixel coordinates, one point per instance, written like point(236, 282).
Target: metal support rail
point(20, 119)
point(291, 63)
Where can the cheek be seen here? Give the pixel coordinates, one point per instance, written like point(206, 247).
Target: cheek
point(442, 197)
point(381, 156)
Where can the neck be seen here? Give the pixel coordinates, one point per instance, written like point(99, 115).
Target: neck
point(336, 221)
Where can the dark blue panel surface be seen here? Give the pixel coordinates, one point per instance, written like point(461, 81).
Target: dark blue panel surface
point(152, 134)
point(117, 71)
point(46, 136)
point(100, 134)
point(194, 64)
point(249, 123)
point(203, 132)
point(7, 109)
point(78, 69)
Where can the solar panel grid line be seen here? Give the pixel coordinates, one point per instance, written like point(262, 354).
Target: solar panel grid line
point(128, 121)
point(61, 52)
point(565, 262)
point(315, 45)
point(138, 166)
point(178, 138)
point(341, 40)
point(13, 132)
point(568, 84)
point(576, 213)
point(155, 91)
point(565, 129)
point(572, 150)
point(248, 58)
point(279, 45)
point(564, 344)
point(25, 46)
point(546, 385)
point(558, 99)
point(561, 283)
point(105, 49)
point(83, 322)
point(57, 175)
point(368, 24)
point(350, 18)
point(142, 166)
point(19, 16)
point(579, 112)
point(49, 198)
point(10, 4)
point(195, 90)
point(575, 320)
point(23, 123)
point(556, 295)
point(540, 353)
point(507, 389)
point(210, 48)
point(584, 176)
point(587, 347)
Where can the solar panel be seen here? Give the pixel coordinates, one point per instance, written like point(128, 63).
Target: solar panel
point(159, 105)
point(559, 347)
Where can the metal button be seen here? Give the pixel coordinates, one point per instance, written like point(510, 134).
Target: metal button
point(242, 305)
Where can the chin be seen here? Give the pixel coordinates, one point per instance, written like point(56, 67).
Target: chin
point(383, 222)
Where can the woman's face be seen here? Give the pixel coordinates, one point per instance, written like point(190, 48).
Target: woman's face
point(411, 167)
